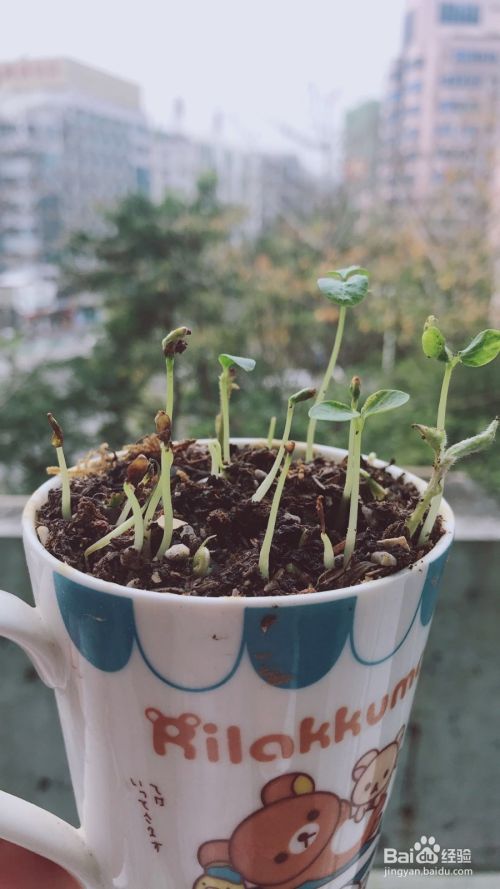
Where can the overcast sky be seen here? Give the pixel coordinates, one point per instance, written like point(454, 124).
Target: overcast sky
point(252, 59)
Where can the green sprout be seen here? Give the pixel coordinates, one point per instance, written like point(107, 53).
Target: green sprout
point(173, 344)
point(328, 554)
point(164, 432)
point(345, 288)
point(483, 349)
point(337, 412)
point(271, 431)
point(215, 452)
point(201, 559)
point(138, 520)
point(57, 442)
point(377, 491)
point(227, 385)
point(355, 390)
point(444, 459)
point(303, 395)
point(137, 471)
point(271, 522)
point(116, 532)
point(136, 475)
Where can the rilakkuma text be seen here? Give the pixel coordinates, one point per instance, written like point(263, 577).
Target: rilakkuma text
point(196, 739)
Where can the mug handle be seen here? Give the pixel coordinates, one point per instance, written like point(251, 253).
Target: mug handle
point(21, 822)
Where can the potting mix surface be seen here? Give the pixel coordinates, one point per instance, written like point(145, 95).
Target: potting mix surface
point(221, 508)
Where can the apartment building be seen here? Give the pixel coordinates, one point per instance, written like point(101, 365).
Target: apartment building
point(73, 140)
point(439, 117)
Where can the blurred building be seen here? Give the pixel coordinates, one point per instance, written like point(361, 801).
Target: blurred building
point(266, 186)
point(73, 140)
point(439, 118)
point(360, 152)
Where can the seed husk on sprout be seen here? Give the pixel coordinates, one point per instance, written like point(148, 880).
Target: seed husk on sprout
point(57, 442)
point(173, 344)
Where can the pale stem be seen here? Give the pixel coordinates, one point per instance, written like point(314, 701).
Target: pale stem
point(216, 457)
point(65, 487)
point(348, 476)
point(124, 514)
point(271, 523)
point(271, 431)
point(151, 508)
point(431, 518)
point(224, 410)
point(169, 409)
point(167, 458)
point(433, 489)
point(432, 498)
point(350, 541)
point(311, 429)
point(267, 482)
point(116, 532)
point(138, 520)
point(328, 554)
point(441, 417)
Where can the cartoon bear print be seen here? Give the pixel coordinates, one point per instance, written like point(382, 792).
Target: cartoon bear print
point(291, 840)
point(217, 871)
point(372, 774)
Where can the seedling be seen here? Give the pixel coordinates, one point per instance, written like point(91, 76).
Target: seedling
point(303, 395)
point(104, 541)
point(164, 432)
point(378, 492)
point(201, 559)
point(271, 431)
point(227, 385)
point(138, 520)
point(355, 390)
point(345, 288)
point(483, 349)
point(328, 554)
point(271, 522)
point(215, 452)
point(337, 412)
point(57, 442)
point(173, 344)
point(137, 471)
point(444, 459)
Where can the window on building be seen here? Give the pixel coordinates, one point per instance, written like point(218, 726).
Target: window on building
point(476, 56)
point(409, 27)
point(451, 106)
point(461, 80)
point(459, 13)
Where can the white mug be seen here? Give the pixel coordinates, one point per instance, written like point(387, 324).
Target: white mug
point(221, 743)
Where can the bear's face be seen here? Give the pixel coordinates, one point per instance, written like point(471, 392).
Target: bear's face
point(280, 841)
point(373, 772)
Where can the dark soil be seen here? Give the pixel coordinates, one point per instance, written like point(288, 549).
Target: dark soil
point(222, 507)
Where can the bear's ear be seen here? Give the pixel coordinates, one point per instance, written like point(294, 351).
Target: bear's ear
point(363, 763)
point(214, 852)
point(286, 787)
point(400, 735)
